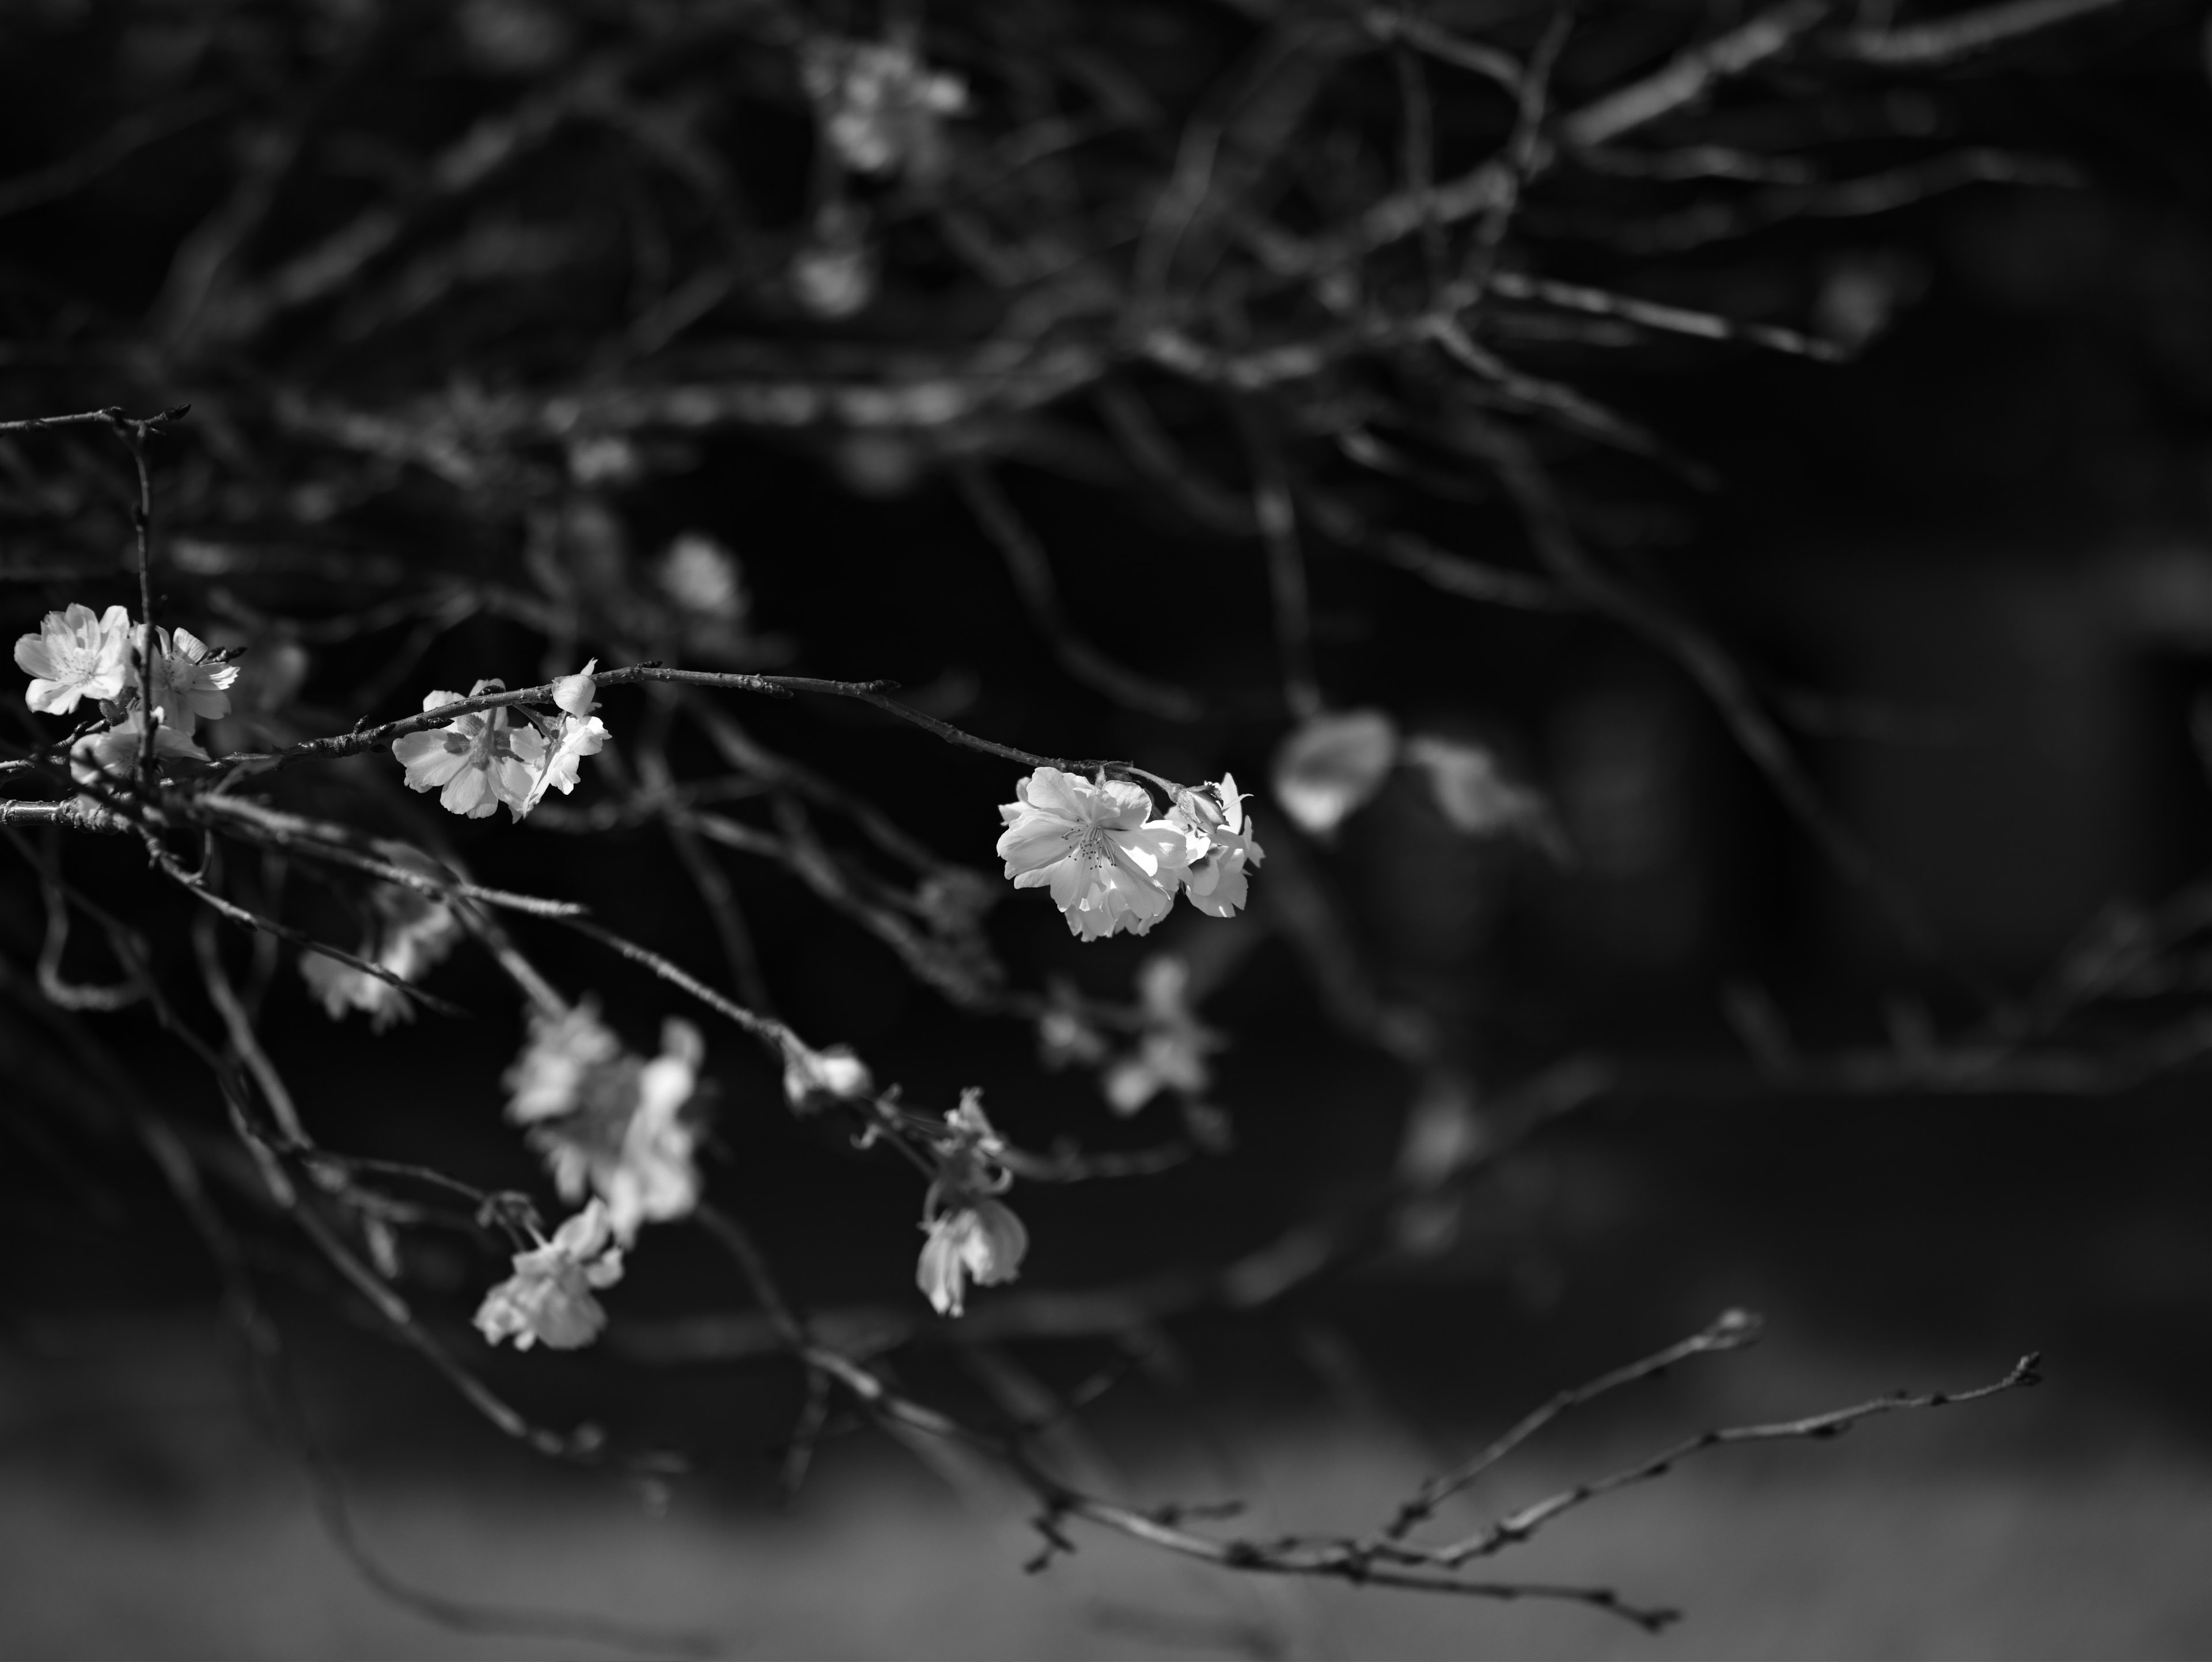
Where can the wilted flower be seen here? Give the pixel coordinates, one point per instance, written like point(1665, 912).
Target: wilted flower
point(1109, 865)
point(476, 762)
point(982, 1241)
point(1332, 764)
point(880, 108)
point(117, 749)
point(809, 1075)
point(76, 655)
point(412, 933)
point(1172, 1053)
point(1214, 814)
point(548, 1299)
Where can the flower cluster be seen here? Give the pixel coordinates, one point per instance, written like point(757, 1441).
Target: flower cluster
point(609, 1123)
point(409, 933)
point(1171, 1052)
point(972, 1235)
point(479, 760)
point(78, 655)
point(548, 1299)
point(881, 108)
point(1111, 865)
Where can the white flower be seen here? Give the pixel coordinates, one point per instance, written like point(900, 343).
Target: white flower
point(412, 933)
point(1331, 766)
point(1109, 865)
point(548, 1299)
point(982, 1241)
point(582, 735)
point(116, 750)
point(74, 655)
point(1172, 1053)
point(1474, 795)
point(547, 1079)
point(880, 108)
point(635, 1151)
point(702, 577)
point(809, 1075)
point(189, 685)
point(1214, 816)
point(832, 271)
point(476, 762)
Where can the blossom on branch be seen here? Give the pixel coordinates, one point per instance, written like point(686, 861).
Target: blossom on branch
point(476, 761)
point(609, 1123)
point(1171, 1054)
point(116, 750)
point(972, 1235)
point(76, 655)
point(880, 106)
point(1214, 814)
point(548, 1299)
point(580, 734)
point(983, 1241)
point(1111, 866)
point(412, 933)
point(192, 683)
point(812, 1076)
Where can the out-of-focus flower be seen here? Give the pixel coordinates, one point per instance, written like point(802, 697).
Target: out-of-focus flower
point(76, 655)
point(1065, 1034)
point(701, 576)
point(1474, 795)
point(1109, 865)
point(190, 684)
point(548, 1299)
point(116, 749)
point(1332, 764)
point(1214, 815)
point(832, 271)
point(982, 1241)
point(810, 1076)
point(475, 762)
point(881, 108)
point(628, 1141)
point(560, 1053)
point(580, 734)
point(412, 933)
point(1170, 1055)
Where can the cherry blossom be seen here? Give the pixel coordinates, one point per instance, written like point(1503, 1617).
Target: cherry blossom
point(1216, 881)
point(116, 750)
point(626, 1142)
point(548, 1299)
point(409, 935)
point(982, 1241)
point(580, 734)
point(810, 1076)
point(76, 655)
point(1331, 766)
point(1172, 1051)
point(880, 106)
point(191, 683)
point(1109, 865)
point(475, 762)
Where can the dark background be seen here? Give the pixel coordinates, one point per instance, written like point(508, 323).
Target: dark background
point(1971, 563)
